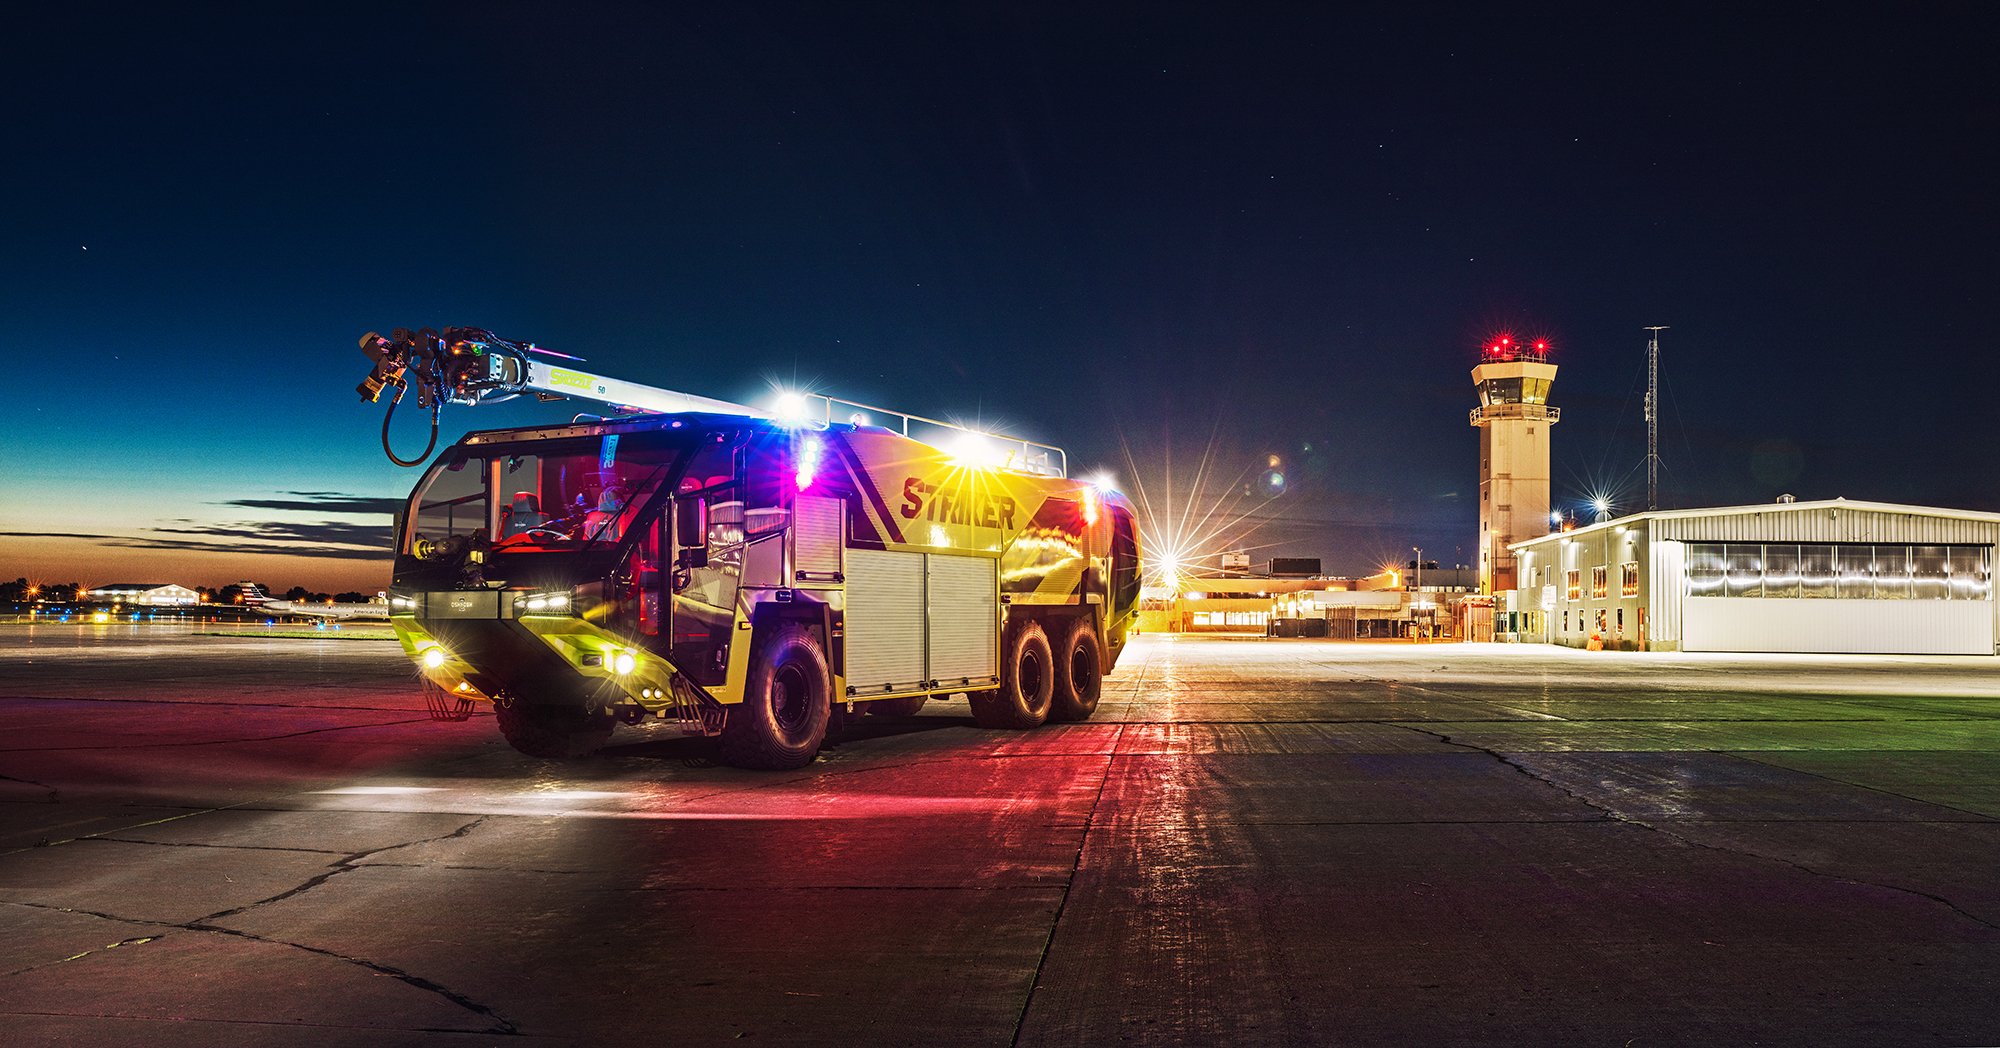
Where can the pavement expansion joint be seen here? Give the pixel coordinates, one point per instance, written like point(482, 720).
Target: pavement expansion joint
point(219, 742)
point(205, 844)
point(468, 869)
point(501, 1026)
point(1069, 883)
point(1742, 852)
point(344, 864)
point(136, 940)
point(225, 703)
point(55, 795)
point(1749, 757)
point(189, 814)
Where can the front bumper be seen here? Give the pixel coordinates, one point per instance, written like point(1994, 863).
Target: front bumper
point(537, 659)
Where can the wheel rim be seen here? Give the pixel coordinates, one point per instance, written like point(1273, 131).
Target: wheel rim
point(1083, 671)
point(789, 705)
point(1032, 676)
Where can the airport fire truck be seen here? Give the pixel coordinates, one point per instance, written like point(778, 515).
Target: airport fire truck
point(757, 575)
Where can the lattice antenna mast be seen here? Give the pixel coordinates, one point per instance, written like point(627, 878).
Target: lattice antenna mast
point(1653, 417)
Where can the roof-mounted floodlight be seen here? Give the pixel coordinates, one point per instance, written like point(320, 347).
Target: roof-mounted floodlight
point(975, 450)
point(791, 408)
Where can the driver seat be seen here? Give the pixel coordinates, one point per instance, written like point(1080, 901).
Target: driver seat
point(523, 516)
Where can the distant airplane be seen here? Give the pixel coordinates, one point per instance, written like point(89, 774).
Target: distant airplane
point(255, 597)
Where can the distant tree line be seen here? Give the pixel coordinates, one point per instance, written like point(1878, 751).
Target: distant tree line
point(21, 590)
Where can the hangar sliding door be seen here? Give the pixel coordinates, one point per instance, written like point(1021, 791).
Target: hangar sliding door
point(1896, 599)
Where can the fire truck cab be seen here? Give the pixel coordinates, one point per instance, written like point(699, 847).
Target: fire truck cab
point(756, 580)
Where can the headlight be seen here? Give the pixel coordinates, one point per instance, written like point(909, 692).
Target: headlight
point(624, 663)
point(553, 602)
point(404, 603)
point(433, 657)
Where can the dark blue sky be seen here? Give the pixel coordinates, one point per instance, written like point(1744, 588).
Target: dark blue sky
point(1106, 228)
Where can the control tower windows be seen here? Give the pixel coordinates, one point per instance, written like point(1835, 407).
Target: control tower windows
point(1514, 391)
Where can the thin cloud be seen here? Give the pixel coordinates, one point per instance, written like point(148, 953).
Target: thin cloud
point(309, 532)
point(320, 502)
point(247, 548)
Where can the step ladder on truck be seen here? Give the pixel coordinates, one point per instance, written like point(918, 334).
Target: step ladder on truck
point(755, 574)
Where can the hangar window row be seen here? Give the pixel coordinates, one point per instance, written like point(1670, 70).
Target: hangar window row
point(1844, 571)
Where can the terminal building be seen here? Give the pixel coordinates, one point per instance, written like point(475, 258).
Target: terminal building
point(1829, 576)
point(150, 594)
point(1382, 606)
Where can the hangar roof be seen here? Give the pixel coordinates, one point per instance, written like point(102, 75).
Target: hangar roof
point(1764, 509)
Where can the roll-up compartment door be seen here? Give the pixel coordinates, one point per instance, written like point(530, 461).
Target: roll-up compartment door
point(816, 537)
point(885, 621)
point(964, 612)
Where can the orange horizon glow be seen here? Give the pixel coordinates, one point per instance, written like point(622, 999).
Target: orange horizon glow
point(46, 561)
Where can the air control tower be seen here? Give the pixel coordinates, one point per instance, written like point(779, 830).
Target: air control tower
point(1513, 419)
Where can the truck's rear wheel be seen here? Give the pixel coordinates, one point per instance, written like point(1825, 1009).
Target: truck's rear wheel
point(903, 707)
point(558, 732)
point(1027, 682)
point(781, 721)
point(1079, 662)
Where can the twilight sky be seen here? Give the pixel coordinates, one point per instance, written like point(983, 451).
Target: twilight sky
point(1263, 230)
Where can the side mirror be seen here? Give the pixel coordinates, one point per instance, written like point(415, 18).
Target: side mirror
point(691, 532)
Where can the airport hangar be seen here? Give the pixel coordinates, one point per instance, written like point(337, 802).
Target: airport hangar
point(1828, 576)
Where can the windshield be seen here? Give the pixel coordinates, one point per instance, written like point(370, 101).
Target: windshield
point(549, 495)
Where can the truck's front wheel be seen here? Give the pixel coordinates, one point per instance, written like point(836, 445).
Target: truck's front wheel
point(782, 718)
point(554, 731)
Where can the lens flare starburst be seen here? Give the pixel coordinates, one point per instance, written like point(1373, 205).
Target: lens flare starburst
point(1186, 527)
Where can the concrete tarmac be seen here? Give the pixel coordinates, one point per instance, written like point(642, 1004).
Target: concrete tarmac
point(240, 840)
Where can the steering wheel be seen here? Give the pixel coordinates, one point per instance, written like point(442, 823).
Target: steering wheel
point(527, 535)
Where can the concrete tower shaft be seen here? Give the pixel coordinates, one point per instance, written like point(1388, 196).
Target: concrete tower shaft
point(1513, 419)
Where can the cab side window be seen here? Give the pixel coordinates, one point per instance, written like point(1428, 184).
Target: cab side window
point(1124, 562)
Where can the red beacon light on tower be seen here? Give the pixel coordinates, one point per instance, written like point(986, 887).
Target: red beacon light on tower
point(1504, 346)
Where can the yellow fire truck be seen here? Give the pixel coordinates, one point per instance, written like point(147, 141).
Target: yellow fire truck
point(757, 575)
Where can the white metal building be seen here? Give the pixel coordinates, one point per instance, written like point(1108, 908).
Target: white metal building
point(1832, 576)
point(148, 593)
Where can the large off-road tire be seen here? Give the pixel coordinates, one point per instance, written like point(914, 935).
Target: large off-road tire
point(1079, 662)
point(559, 732)
point(782, 719)
point(907, 706)
point(1027, 682)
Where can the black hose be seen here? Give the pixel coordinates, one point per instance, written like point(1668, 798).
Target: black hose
point(436, 407)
